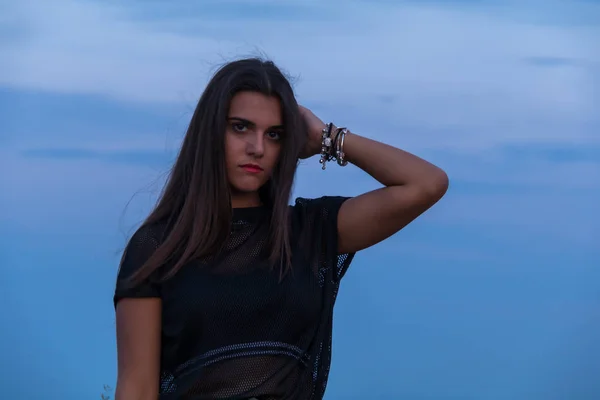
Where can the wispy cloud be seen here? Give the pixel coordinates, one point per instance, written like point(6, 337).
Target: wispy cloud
point(472, 84)
point(514, 194)
point(555, 153)
point(551, 62)
point(141, 157)
point(467, 74)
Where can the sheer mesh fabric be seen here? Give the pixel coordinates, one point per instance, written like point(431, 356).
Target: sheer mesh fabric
point(230, 328)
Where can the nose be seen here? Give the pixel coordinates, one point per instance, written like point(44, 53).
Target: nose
point(255, 145)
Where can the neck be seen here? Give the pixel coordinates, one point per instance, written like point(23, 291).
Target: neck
point(245, 200)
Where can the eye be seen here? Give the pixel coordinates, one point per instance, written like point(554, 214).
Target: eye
point(274, 135)
point(239, 127)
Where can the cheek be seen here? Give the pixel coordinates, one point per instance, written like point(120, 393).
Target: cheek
point(232, 148)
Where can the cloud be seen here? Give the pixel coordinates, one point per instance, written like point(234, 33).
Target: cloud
point(466, 76)
point(261, 10)
point(471, 96)
point(551, 62)
point(147, 158)
point(552, 152)
point(529, 167)
point(509, 196)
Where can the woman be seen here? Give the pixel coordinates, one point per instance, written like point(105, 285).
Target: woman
point(226, 291)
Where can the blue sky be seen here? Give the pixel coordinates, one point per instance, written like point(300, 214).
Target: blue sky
point(493, 294)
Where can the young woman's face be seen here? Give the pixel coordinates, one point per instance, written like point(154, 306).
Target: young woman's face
point(252, 144)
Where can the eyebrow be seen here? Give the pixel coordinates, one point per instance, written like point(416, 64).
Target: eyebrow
point(250, 123)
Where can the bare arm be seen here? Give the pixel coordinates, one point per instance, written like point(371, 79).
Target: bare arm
point(138, 348)
point(411, 186)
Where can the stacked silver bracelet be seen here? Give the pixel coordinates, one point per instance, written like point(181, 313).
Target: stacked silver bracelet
point(340, 156)
point(333, 149)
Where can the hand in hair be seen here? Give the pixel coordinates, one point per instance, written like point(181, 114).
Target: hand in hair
point(315, 127)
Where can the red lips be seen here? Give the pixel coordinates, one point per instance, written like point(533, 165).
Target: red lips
point(252, 168)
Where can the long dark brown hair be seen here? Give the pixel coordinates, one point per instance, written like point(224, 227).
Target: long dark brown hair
point(196, 198)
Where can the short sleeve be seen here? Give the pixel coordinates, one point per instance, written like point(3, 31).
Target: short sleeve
point(318, 220)
point(141, 246)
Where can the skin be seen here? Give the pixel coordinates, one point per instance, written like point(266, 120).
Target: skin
point(253, 136)
point(410, 186)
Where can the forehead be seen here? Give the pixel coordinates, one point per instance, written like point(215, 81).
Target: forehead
point(256, 107)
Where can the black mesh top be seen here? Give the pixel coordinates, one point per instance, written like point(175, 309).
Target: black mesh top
point(230, 328)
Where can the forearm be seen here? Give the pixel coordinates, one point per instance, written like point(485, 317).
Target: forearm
point(135, 394)
point(392, 166)
point(412, 185)
point(135, 389)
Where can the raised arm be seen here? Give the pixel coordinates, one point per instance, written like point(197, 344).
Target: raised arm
point(138, 348)
point(411, 186)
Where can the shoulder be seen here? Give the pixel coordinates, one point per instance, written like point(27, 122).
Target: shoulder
point(146, 238)
point(322, 204)
point(316, 222)
point(316, 213)
point(140, 247)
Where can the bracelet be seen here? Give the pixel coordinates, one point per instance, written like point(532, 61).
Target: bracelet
point(326, 145)
point(333, 149)
point(339, 149)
